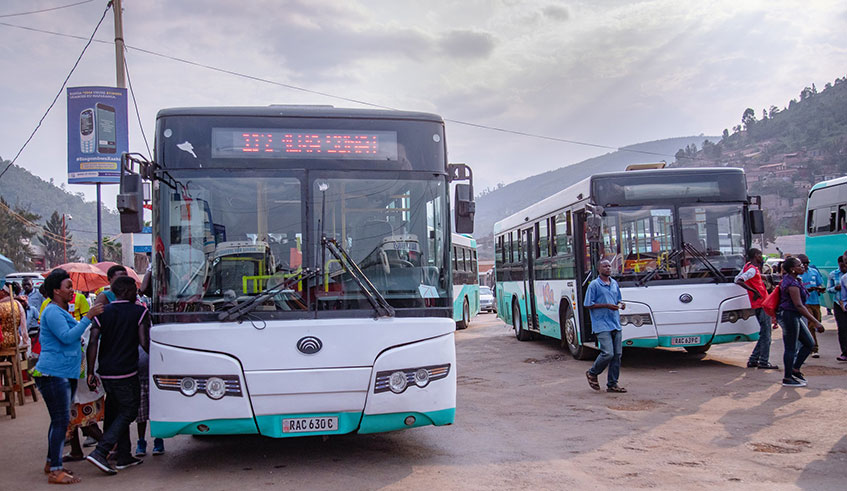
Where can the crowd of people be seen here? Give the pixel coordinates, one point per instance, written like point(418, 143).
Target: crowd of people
point(88, 371)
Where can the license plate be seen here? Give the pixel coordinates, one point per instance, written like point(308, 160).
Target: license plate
point(308, 425)
point(685, 340)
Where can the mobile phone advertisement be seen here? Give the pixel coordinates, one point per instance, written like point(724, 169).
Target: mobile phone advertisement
point(97, 134)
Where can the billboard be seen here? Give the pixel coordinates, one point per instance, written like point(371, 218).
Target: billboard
point(97, 134)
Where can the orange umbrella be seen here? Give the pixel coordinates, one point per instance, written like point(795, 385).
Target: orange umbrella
point(105, 265)
point(86, 277)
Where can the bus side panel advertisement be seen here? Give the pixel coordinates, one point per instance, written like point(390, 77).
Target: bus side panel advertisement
point(97, 134)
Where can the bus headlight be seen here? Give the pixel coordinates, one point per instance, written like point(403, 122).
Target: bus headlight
point(732, 316)
point(421, 377)
point(636, 320)
point(215, 388)
point(188, 386)
point(398, 381)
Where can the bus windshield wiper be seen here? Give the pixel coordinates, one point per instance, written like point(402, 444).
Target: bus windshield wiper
point(375, 298)
point(696, 253)
point(238, 311)
point(652, 273)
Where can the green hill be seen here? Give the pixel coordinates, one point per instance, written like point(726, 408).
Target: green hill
point(21, 189)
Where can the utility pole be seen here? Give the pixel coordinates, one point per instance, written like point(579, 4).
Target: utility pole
point(121, 83)
point(65, 240)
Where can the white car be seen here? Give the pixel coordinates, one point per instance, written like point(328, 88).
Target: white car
point(486, 300)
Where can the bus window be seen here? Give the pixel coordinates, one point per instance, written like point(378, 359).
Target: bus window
point(842, 218)
point(564, 240)
point(543, 240)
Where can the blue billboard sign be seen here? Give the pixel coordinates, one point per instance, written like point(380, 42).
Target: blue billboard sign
point(97, 134)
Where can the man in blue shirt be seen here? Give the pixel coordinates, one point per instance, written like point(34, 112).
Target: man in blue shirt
point(835, 287)
point(603, 300)
point(815, 285)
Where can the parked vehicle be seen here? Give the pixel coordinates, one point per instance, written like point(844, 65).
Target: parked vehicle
point(486, 300)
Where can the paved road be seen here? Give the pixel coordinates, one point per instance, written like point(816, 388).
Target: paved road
point(526, 418)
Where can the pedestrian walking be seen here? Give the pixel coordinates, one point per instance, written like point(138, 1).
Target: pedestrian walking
point(839, 295)
point(117, 333)
point(603, 300)
point(792, 308)
point(57, 371)
point(750, 278)
point(814, 284)
point(33, 294)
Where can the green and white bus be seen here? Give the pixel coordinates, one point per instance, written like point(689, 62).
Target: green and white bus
point(465, 280)
point(675, 237)
point(826, 226)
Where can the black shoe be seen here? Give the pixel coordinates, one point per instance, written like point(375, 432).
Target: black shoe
point(767, 366)
point(816, 355)
point(752, 364)
point(101, 463)
point(793, 382)
point(798, 375)
point(128, 463)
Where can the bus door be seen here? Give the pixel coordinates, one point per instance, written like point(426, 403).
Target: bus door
point(582, 256)
point(529, 278)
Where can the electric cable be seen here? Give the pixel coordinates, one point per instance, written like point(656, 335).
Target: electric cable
point(135, 103)
point(45, 10)
point(62, 88)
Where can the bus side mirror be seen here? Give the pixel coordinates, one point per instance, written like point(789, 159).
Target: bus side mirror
point(130, 200)
point(593, 224)
point(464, 210)
point(757, 221)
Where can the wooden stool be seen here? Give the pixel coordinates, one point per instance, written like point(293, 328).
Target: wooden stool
point(7, 388)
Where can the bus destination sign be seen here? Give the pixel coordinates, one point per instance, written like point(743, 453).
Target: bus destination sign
point(303, 144)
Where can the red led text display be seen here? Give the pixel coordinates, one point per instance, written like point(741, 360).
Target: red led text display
point(304, 144)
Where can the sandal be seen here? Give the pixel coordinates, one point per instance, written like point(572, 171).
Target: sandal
point(592, 380)
point(62, 477)
point(615, 388)
point(842, 358)
point(47, 469)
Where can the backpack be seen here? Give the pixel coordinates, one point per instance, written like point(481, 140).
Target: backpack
point(771, 303)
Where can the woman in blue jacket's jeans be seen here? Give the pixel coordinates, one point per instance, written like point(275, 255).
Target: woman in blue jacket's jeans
point(58, 367)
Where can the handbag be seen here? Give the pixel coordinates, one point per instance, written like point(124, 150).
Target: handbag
point(771, 303)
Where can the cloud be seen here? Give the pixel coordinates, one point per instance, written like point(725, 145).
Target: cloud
point(556, 12)
point(467, 44)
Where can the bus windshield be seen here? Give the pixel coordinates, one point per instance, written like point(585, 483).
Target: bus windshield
point(639, 240)
point(228, 238)
point(393, 228)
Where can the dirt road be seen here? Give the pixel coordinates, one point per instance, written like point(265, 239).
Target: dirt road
point(527, 419)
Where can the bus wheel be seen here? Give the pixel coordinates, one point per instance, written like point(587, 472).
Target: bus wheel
point(569, 337)
point(466, 316)
point(698, 350)
point(520, 333)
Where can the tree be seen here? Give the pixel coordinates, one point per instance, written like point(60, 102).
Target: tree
point(16, 232)
point(111, 250)
point(54, 249)
point(748, 119)
point(725, 134)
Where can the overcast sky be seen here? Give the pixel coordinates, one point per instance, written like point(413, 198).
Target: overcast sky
point(598, 71)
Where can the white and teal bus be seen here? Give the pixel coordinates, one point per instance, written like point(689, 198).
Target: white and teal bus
point(465, 280)
point(675, 237)
point(301, 270)
point(826, 227)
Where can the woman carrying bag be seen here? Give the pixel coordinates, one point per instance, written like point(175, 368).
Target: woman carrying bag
point(792, 308)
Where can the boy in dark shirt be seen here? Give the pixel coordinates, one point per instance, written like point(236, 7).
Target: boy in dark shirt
point(117, 332)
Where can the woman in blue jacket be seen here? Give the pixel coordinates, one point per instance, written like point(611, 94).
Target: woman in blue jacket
point(58, 367)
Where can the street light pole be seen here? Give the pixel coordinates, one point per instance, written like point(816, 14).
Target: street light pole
point(64, 241)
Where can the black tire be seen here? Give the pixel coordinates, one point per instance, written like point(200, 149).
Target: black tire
point(520, 333)
point(698, 350)
point(466, 316)
point(569, 337)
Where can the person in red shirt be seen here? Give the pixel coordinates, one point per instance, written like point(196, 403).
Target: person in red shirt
point(750, 279)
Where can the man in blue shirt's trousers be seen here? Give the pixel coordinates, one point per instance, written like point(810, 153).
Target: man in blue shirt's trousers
point(603, 299)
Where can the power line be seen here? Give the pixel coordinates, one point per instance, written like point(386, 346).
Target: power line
point(45, 10)
point(356, 101)
point(62, 88)
point(137, 113)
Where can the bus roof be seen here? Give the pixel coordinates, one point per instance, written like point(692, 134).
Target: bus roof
point(295, 111)
point(831, 182)
point(582, 189)
point(463, 240)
